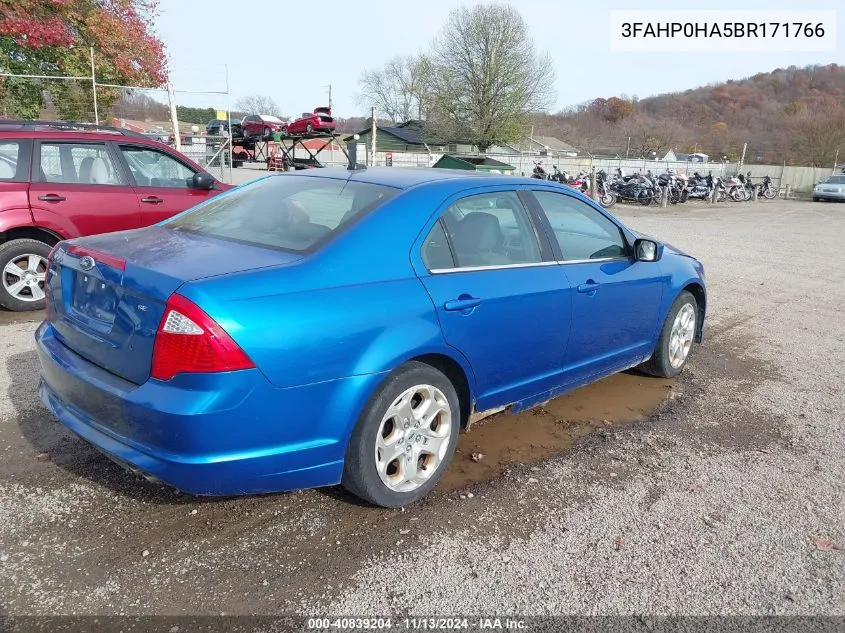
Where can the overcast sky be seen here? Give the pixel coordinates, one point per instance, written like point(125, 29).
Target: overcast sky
point(293, 51)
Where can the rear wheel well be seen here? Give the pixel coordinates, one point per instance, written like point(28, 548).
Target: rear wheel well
point(455, 373)
point(30, 233)
point(701, 299)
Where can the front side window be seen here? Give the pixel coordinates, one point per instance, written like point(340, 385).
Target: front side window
point(491, 229)
point(78, 163)
point(152, 168)
point(581, 232)
point(288, 212)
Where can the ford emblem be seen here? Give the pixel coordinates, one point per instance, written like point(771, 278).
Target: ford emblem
point(87, 263)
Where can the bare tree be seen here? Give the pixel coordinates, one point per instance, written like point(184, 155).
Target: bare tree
point(819, 132)
point(400, 91)
point(488, 78)
point(652, 137)
point(258, 104)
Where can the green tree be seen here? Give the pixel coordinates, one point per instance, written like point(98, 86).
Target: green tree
point(487, 77)
point(53, 37)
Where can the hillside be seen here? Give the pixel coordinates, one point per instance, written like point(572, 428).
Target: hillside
point(794, 115)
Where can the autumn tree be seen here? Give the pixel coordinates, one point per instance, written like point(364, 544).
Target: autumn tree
point(53, 37)
point(488, 76)
point(819, 131)
point(401, 90)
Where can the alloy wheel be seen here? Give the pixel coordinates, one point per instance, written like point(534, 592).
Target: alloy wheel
point(683, 331)
point(23, 277)
point(413, 438)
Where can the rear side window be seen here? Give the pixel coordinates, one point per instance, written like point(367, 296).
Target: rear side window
point(78, 163)
point(12, 167)
point(491, 229)
point(295, 213)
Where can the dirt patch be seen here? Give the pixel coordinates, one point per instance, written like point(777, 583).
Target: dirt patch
point(7, 317)
point(495, 444)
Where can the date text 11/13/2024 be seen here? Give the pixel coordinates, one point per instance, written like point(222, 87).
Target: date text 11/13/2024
point(417, 624)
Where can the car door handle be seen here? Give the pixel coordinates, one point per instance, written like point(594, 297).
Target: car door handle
point(152, 200)
point(52, 197)
point(589, 287)
point(464, 302)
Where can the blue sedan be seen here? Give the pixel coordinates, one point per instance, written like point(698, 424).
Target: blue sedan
point(338, 326)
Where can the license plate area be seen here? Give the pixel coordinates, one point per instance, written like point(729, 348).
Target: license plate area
point(94, 298)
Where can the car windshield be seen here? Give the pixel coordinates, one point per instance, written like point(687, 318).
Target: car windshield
point(287, 212)
point(836, 180)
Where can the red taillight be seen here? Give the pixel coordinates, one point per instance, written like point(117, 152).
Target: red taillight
point(190, 341)
point(97, 256)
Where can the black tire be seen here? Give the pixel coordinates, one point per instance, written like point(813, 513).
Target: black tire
point(816, 199)
point(645, 198)
point(9, 251)
point(360, 476)
point(659, 363)
point(607, 200)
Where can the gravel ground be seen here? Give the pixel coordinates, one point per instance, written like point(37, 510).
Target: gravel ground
point(730, 499)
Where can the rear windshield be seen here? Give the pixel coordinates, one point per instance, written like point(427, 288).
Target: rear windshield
point(294, 213)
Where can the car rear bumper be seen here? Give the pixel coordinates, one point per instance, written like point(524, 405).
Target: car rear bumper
point(216, 434)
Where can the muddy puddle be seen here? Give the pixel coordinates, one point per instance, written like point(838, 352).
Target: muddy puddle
point(503, 440)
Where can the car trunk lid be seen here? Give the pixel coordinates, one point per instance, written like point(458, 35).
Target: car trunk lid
point(107, 293)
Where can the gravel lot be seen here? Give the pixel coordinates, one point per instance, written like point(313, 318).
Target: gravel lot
point(729, 499)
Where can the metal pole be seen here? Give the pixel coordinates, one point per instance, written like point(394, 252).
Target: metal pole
point(94, 87)
point(628, 149)
point(373, 139)
point(835, 160)
point(742, 158)
point(174, 118)
point(229, 120)
point(330, 96)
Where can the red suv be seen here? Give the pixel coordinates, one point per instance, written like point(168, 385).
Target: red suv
point(62, 180)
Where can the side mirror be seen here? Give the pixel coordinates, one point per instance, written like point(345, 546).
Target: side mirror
point(647, 250)
point(202, 180)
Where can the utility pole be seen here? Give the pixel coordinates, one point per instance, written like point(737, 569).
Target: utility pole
point(742, 158)
point(628, 149)
point(94, 87)
point(836, 160)
point(373, 139)
point(229, 122)
point(330, 96)
point(174, 119)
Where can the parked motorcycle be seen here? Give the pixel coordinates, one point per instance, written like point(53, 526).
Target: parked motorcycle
point(699, 187)
point(539, 173)
point(637, 188)
point(767, 190)
point(606, 197)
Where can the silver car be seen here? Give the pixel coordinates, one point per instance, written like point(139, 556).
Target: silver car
point(831, 189)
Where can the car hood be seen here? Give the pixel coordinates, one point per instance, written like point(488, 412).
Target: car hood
point(666, 247)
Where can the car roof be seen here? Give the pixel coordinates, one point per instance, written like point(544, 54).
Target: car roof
point(58, 130)
point(407, 177)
